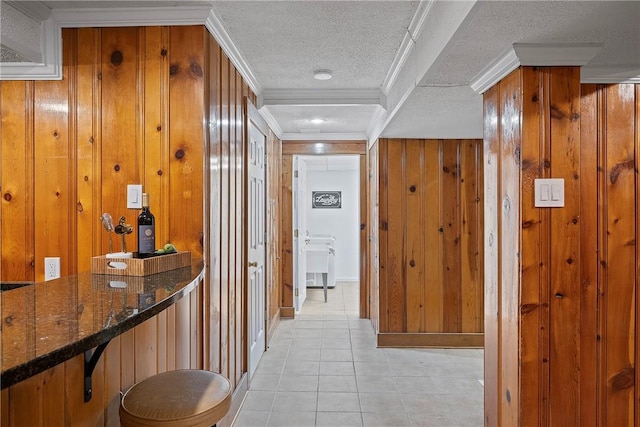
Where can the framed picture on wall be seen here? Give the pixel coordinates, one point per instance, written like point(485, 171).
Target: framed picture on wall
point(326, 199)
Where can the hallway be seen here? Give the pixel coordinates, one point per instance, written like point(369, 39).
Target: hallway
point(323, 369)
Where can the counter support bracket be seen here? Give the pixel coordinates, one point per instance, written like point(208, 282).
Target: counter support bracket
point(90, 361)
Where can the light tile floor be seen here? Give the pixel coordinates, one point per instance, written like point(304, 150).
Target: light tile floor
point(323, 369)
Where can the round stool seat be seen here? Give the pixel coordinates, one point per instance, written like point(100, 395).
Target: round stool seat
point(187, 397)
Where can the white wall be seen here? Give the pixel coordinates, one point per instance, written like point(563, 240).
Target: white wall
point(342, 223)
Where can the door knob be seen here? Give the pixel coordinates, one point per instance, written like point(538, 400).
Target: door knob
point(253, 264)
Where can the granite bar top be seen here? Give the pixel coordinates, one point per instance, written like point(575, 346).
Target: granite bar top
point(44, 324)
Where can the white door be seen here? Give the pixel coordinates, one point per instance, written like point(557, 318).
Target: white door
point(299, 223)
point(257, 245)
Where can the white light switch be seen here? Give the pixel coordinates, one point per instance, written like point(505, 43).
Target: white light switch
point(134, 196)
point(549, 193)
point(544, 192)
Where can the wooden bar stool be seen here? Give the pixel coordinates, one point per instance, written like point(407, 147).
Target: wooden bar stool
point(187, 397)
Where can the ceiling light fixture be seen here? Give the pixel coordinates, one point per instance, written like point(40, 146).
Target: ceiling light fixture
point(317, 121)
point(322, 74)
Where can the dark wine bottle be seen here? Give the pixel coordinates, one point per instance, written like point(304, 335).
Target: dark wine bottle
point(146, 229)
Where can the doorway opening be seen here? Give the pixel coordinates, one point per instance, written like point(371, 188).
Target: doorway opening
point(326, 229)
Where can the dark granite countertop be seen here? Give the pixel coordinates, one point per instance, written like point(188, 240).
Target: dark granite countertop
point(44, 324)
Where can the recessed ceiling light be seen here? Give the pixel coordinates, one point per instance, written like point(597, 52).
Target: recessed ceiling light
point(317, 121)
point(322, 74)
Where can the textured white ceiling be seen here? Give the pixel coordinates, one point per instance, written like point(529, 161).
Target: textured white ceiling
point(285, 41)
point(337, 119)
point(438, 112)
point(496, 25)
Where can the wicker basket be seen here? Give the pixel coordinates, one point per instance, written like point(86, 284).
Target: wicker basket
point(139, 266)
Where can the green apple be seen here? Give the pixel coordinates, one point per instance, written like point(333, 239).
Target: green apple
point(169, 248)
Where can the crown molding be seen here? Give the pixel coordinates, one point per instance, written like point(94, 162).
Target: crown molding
point(408, 43)
point(271, 121)
point(51, 66)
point(130, 17)
point(534, 54)
point(611, 74)
point(505, 63)
point(557, 54)
point(33, 9)
point(319, 136)
point(337, 97)
point(216, 28)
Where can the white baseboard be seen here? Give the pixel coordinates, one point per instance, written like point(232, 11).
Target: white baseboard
point(347, 279)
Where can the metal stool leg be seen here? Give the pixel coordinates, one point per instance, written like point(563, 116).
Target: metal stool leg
point(325, 284)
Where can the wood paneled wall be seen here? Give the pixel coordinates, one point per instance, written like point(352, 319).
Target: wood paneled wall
point(225, 211)
point(610, 199)
point(130, 109)
point(373, 248)
point(561, 341)
point(430, 242)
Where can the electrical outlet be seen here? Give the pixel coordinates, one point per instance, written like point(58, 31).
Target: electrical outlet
point(51, 268)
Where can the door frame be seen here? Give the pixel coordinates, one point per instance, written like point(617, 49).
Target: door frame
point(311, 148)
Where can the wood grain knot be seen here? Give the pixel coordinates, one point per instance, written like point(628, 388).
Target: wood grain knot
point(559, 295)
point(445, 169)
point(441, 229)
point(8, 320)
point(158, 128)
point(57, 194)
point(508, 395)
point(116, 168)
point(116, 57)
point(7, 196)
point(412, 263)
point(79, 207)
point(99, 76)
point(180, 154)
point(91, 140)
point(412, 188)
point(574, 221)
point(528, 308)
point(174, 69)
point(528, 224)
point(546, 164)
point(557, 113)
point(196, 69)
point(86, 178)
point(506, 204)
point(55, 134)
point(163, 52)
point(623, 379)
point(619, 168)
point(534, 98)
point(569, 261)
point(362, 226)
point(159, 173)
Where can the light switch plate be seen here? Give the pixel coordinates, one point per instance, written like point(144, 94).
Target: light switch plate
point(549, 193)
point(134, 196)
